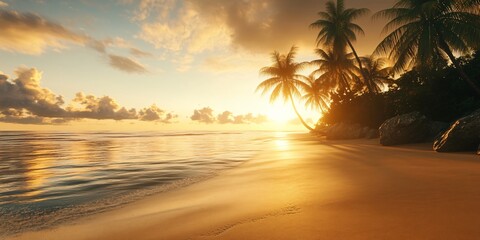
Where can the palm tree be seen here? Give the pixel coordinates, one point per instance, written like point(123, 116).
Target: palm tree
point(335, 71)
point(338, 30)
point(284, 79)
point(316, 95)
point(377, 72)
point(428, 30)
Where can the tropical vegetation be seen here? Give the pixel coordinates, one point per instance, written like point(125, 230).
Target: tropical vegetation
point(433, 50)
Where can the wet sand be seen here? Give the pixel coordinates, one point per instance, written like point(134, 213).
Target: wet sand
point(302, 187)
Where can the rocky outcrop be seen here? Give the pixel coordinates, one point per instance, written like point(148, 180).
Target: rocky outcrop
point(349, 131)
point(463, 135)
point(372, 133)
point(436, 129)
point(407, 128)
point(344, 131)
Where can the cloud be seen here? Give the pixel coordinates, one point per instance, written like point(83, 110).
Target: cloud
point(153, 113)
point(264, 25)
point(225, 117)
point(3, 4)
point(32, 34)
point(139, 53)
point(25, 93)
point(250, 118)
point(205, 115)
point(89, 106)
point(126, 64)
point(118, 42)
point(254, 26)
point(29, 33)
point(24, 100)
point(180, 31)
point(25, 117)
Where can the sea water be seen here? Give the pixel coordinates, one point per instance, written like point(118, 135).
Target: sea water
point(48, 178)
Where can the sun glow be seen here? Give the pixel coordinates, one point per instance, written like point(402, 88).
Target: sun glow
point(280, 114)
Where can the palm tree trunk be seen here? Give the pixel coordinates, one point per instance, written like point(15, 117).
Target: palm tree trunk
point(298, 114)
point(367, 81)
point(444, 46)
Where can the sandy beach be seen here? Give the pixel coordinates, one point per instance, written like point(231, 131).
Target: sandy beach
point(302, 187)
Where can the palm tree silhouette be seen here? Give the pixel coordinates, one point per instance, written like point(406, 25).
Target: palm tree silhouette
point(376, 70)
point(316, 96)
point(425, 31)
point(335, 71)
point(338, 30)
point(284, 79)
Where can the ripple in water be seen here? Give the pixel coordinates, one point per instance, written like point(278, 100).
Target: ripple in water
point(47, 178)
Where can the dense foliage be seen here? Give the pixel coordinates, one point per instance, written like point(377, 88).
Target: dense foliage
point(422, 37)
point(441, 95)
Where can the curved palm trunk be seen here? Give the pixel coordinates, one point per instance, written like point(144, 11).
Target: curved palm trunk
point(444, 46)
point(298, 114)
point(367, 81)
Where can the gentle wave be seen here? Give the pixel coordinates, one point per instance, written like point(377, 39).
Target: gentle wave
point(47, 178)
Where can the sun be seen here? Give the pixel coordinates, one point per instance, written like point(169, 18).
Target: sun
point(280, 114)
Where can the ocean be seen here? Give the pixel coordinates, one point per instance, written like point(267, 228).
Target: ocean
point(48, 178)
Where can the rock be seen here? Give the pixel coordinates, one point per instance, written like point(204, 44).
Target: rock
point(478, 150)
point(344, 131)
point(407, 128)
point(436, 129)
point(321, 129)
point(365, 131)
point(463, 135)
point(372, 133)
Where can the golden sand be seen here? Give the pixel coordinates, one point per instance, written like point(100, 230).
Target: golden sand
point(306, 188)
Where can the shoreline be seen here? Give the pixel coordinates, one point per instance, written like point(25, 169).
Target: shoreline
point(302, 187)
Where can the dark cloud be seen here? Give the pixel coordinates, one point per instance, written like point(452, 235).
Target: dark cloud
point(205, 115)
point(25, 92)
point(99, 108)
point(126, 64)
point(23, 100)
point(277, 24)
point(24, 117)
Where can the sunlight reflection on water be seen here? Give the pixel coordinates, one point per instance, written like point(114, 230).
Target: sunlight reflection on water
point(43, 173)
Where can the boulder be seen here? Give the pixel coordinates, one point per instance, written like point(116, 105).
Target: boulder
point(463, 135)
point(372, 133)
point(345, 131)
point(407, 128)
point(436, 129)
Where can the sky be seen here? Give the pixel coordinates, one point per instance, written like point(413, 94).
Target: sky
point(153, 64)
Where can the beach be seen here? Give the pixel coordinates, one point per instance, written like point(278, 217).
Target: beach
point(303, 187)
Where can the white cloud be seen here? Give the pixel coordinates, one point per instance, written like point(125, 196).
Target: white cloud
point(31, 34)
point(179, 30)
